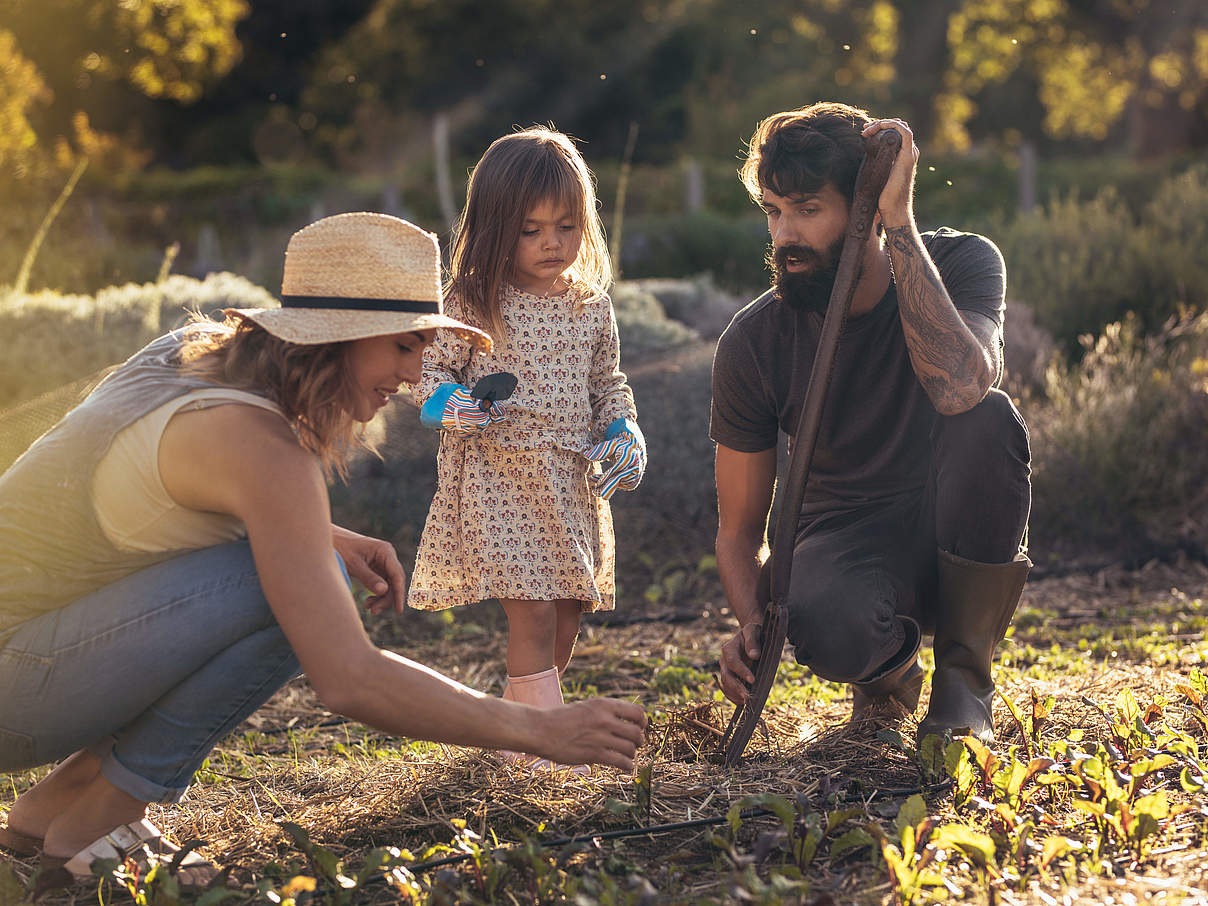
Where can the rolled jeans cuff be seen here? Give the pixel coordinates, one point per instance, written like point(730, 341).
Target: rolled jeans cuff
point(127, 781)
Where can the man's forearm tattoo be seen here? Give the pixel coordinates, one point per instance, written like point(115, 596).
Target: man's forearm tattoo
point(949, 359)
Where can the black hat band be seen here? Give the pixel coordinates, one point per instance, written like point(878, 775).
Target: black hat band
point(407, 305)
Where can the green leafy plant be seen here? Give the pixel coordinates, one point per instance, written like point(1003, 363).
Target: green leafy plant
point(910, 857)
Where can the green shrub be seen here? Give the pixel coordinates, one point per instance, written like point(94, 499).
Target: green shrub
point(1120, 446)
point(964, 191)
point(48, 339)
point(1081, 265)
point(683, 245)
point(696, 301)
point(1178, 218)
point(660, 188)
point(1085, 177)
point(980, 190)
point(224, 218)
point(54, 348)
point(643, 325)
point(115, 230)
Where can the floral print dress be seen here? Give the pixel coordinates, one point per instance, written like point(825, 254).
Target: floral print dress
point(514, 515)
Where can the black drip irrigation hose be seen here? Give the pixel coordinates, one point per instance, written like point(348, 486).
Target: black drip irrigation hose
point(651, 829)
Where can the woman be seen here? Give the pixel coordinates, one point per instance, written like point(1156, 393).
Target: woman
point(138, 627)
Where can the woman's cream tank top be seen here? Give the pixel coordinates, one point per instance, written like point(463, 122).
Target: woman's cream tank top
point(132, 505)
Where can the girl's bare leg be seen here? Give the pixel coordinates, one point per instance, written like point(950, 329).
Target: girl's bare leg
point(570, 613)
point(532, 630)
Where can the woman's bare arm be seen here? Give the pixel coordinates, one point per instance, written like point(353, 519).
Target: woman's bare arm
point(246, 462)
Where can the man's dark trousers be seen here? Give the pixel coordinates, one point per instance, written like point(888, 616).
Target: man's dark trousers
point(856, 571)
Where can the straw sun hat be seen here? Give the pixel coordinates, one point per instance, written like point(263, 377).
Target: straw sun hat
point(354, 276)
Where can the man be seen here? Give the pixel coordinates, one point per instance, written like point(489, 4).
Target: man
point(916, 507)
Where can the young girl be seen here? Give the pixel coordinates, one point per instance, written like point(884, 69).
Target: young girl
point(520, 513)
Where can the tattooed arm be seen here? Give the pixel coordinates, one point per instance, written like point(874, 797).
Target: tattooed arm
point(955, 354)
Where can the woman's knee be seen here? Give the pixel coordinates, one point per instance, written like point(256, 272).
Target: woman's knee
point(214, 587)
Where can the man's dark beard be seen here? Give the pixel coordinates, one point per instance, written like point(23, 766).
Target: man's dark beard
point(808, 290)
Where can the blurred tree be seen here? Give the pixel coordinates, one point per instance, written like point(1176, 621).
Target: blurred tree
point(360, 81)
point(21, 87)
point(697, 74)
point(510, 60)
point(104, 58)
point(1098, 66)
point(281, 40)
point(921, 60)
point(784, 55)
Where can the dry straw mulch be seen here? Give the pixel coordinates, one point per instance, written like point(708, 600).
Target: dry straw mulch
point(352, 789)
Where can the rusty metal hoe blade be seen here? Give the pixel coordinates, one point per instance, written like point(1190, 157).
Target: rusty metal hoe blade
point(746, 717)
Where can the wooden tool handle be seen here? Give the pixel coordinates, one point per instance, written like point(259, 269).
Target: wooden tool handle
point(773, 585)
point(882, 150)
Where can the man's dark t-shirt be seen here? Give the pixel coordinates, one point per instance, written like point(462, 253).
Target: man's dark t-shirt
point(874, 440)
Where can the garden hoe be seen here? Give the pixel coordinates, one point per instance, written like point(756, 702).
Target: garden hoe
point(773, 588)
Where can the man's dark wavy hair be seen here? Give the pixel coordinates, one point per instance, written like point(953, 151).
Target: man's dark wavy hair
point(797, 152)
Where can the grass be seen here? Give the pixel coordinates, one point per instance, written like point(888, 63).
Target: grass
point(1094, 792)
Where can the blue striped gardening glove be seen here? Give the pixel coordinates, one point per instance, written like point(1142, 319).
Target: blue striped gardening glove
point(452, 408)
point(623, 443)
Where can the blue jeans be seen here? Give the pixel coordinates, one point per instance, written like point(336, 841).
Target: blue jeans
point(148, 673)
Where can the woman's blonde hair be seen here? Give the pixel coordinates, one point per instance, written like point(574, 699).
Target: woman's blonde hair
point(311, 383)
point(518, 172)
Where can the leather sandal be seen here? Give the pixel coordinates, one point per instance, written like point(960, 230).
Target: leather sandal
point(19, 844)
point(140, 841)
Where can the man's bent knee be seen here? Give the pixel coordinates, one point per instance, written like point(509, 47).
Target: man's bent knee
point(845, 634)
point(993, 424)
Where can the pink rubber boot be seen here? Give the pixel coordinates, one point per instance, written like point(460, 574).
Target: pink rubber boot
point(541, 690)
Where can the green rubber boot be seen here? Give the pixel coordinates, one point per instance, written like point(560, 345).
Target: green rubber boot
point(974, 606)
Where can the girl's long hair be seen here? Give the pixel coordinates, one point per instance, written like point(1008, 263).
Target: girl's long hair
point(518, 172)
point(311, 383)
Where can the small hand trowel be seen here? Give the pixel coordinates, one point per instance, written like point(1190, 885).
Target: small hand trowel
point(492, 388)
